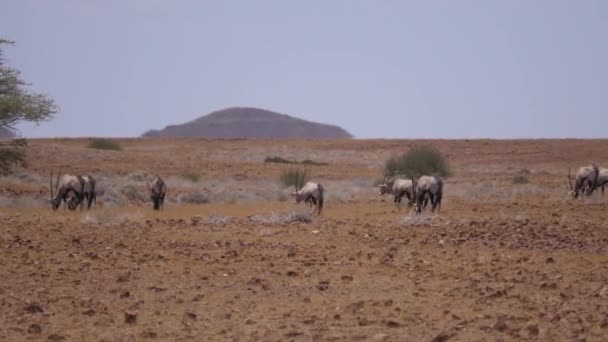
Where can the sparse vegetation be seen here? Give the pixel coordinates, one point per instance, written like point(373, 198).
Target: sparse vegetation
point(191, 176)
point(195, 198)
point(281, 160)
point(104, 144)
point(525, 171)
point(133, 192)
point(418, 161)
point(312, 162)
point(519, 179)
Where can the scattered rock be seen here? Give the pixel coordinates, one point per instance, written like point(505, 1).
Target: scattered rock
point(55, 337)
point(33, 308)
point(381, 337)
point(130, 318)
point(89, 312)
point(393, 324)
point(501, 324)
point(34, 329)
point(324, 285)
point(441, 337)
point(149, 334)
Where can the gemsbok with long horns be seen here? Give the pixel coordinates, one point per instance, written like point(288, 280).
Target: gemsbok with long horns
point(63, 185)
point(585, 181)
point(158, 190)
point(311, 193)
point(398, 187)
point(431, 187)
point(89, 193)
point(600, 182)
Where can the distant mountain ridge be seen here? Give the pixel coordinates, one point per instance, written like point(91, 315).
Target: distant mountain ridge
point(248, 122)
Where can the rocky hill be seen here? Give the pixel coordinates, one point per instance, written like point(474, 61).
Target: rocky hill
point(244, 122)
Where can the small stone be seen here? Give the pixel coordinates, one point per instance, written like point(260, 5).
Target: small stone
point(380, 337)
point(441, 337)
point(324, 285)
point(532, 329)
point(89, 312)
point(33, 308)
point(130, 318)
point(34, 329)
point(501, 324)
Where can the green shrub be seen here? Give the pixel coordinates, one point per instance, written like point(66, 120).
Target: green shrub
point(519, 179)
point(104, 144)
point(290, 177)
point(418, 161)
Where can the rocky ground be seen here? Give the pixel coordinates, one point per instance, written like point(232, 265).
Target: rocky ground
point(495, 264)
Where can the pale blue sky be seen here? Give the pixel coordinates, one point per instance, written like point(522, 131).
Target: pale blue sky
point(460, 69)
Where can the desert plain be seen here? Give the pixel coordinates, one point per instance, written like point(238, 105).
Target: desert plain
point(231, 257)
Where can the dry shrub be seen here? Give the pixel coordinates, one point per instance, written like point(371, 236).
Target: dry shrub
point(104, 144)
point(191, 176)
point(519, 179)
point(194, 198)
point(133, 192)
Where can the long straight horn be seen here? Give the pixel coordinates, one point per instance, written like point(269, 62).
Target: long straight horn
point(303, 178)
point(57, 181)
point(297, 180)
point(414, 188)
point(51, 184)
point(148, 184)
point(570, 180)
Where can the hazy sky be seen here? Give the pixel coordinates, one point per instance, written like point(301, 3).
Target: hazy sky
point(410, 69)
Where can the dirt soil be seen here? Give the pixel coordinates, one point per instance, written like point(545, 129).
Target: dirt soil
point(501, 261)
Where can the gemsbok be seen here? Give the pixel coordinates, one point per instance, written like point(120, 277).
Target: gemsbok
point(59, 193)
point(310, 193)
point(158, 190)
point(398, 187)
point(585, 181)
point(431, 186)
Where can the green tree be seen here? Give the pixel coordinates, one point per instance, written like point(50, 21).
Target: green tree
point(418, 161)
point(18, 104)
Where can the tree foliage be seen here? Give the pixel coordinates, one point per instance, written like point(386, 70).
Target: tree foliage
point(418, 161)
point(18, 104)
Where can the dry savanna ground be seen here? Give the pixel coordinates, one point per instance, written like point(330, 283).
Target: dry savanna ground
point(233, 258)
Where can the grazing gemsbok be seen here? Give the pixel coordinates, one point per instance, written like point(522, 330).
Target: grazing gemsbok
point(311, 193)
point(399, 187)
point(67, 183)
point(431, 186)
point(585, 181)
point(157, 190)
point(600, 181)
point(89, 191)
